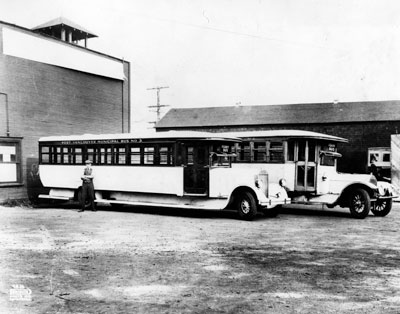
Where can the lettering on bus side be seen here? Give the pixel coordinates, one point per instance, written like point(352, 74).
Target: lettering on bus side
point(113, 141)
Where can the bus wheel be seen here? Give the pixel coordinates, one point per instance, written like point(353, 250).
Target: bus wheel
point(246, 206)
point(360, 203)
point(382, 207)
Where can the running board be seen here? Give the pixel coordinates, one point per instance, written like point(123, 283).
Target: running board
point(149, 204)
point(54, 197)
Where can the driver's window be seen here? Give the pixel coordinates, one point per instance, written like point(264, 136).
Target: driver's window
point(221, 156)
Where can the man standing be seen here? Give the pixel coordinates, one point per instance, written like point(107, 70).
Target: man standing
point(87, 187)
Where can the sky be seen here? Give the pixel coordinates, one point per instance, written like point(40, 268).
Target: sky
point(238, 52)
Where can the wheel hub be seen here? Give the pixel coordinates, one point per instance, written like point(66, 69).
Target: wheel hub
point(245, 206)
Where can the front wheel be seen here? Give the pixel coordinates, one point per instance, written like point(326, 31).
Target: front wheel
point(360, 203)
point(382, 207)
point(246, 206)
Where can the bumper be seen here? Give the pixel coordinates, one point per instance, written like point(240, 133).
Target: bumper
point(269, 203)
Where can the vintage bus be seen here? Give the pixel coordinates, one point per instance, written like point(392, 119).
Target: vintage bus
point(307, 161)
point(168, 169)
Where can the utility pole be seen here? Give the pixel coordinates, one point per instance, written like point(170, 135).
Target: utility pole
point(158, 106)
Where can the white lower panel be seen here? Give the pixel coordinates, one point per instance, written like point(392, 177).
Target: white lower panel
point(163, 180)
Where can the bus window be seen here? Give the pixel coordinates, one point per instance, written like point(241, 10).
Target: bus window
point(78, 155)
point(311, 151)
point(189, 155)
point(243, 152)
point(310, 177)
point(106, 155)
point(45, 154)
point(120, 157)
point(135, 156)
point(66, 155)
point(291, 145)
point(166, 155)
point(327, 160)
point(149, 155)
point(91, 154)
point(302, 151)
point(276, 152)
point(221, 155)
point(56, 155)
point(260, 151)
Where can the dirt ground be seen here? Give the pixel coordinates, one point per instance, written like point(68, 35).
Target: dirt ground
point(150, 260)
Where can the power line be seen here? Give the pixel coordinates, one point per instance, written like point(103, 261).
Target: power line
point(158, 106)
point(244, 34)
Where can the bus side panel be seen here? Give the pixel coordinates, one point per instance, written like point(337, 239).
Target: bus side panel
point(275, 171)
point(163, 180)
point(57, 176)
point(224, 180)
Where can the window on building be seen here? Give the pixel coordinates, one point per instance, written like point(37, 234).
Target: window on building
point(10, 161)
point(386, 157)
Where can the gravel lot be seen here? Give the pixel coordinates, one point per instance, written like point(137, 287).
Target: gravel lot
point(139, 260)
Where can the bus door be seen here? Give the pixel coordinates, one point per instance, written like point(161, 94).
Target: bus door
point(196, 168)
point(305, 166)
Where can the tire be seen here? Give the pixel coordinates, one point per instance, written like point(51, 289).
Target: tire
point(246, 206)
point(382, 207)
point(360, 204)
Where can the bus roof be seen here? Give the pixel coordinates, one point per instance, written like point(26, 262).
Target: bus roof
point(287, 134)
point(146, 135)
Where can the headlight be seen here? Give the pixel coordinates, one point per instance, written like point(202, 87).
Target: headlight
point(381, 190)
point(282, 183)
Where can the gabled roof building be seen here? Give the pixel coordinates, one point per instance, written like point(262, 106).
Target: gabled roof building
point(365, 124)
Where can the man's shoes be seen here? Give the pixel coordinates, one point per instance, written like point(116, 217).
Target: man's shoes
point(81, 210)
point(94, 210)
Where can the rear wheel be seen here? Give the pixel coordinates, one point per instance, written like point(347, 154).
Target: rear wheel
point(382, 207)
point(246, 206)
point(360, 203)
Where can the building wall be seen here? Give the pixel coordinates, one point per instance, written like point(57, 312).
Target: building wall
point(361, 136)
point(48, 100)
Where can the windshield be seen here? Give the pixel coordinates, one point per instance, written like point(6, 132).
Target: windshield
point(328, 155)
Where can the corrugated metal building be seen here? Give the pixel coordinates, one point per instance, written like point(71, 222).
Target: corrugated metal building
point(52, 84)
point(365, 124)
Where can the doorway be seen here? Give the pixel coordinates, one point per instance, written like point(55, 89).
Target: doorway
point(196, 168)
point(306, 166)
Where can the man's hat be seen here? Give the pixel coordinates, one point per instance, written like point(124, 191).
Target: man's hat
point(88, 161)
